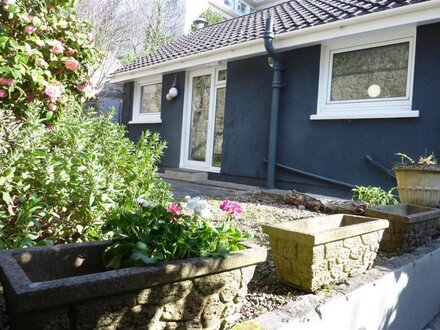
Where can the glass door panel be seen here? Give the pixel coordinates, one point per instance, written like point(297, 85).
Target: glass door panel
point(218, 127)
point(201, 92)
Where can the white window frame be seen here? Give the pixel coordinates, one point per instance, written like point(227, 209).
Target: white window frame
point(396, 107)
point(137, 116)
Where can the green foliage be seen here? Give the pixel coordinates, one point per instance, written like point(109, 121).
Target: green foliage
point(149, 234)
point(59, 183)
point(45, 55)
point(374, 195)
point(211, 16)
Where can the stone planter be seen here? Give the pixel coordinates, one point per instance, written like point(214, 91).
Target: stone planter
point(418, 184)
point(66, 287)
point(314, 252)
point(410, 226)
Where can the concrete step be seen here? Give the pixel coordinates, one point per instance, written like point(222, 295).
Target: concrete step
point(184, 174)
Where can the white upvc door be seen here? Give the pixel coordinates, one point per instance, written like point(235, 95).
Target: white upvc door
point(203, 120)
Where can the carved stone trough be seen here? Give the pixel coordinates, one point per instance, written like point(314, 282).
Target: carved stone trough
point(67, 287)
point(314, 252)
point(410, 225)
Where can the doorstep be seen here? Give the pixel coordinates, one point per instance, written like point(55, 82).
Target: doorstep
point(184, 174)
point(402, 294)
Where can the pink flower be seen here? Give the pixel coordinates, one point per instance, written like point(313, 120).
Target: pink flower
point(6, 81)
point(8, 2)
point(57, 47)
point(233, 208)
point(84, 85)
point(42, 63)
point(3, 93)
point(54, 91)
point(29, 29)
point(90, 37)
point(70, 52)
point(52, 107)
point(174, 208)
point(72, 64)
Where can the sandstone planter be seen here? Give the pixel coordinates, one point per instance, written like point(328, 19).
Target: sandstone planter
point(410, 226)
point(314, 252)
point(66, 287)
point(418, 184)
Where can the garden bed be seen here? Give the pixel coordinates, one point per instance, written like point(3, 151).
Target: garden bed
point(265, 292)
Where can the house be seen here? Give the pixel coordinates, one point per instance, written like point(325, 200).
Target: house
point(190, 10)
point(360, 81)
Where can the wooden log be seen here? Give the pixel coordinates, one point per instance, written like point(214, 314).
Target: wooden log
point(348, 207)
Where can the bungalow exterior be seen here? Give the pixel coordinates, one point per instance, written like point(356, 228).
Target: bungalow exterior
point(360, 81)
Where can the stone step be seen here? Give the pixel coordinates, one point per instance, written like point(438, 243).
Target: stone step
point(184, 174)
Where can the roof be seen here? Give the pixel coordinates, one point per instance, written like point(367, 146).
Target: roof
point(288, 16)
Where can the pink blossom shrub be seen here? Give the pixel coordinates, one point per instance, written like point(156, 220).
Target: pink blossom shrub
point(46, 54)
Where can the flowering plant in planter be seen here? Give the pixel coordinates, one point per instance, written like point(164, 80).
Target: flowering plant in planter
point(150, 233)
point(418, 182)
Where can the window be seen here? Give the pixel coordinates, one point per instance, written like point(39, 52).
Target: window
point(147, 101)
point(367, 78)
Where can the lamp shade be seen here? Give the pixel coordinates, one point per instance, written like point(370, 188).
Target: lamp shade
point(173, 92)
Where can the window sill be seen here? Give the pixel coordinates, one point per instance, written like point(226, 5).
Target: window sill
point(366, 115)
point(145, 121)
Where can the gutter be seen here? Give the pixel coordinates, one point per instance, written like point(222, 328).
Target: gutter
point(423, 12)
point(274, 57)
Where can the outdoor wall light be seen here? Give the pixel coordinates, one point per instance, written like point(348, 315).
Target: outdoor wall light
point(173, 92)
point(200, 23)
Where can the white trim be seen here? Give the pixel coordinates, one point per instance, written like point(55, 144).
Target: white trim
point(185, 162)
point(137, 116)
point(425, 12)
point(146, 121)
point(366, 108)
point(366, 115)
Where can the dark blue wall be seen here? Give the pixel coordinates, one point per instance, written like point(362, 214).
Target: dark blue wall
point(331, 148)
point(170, 129)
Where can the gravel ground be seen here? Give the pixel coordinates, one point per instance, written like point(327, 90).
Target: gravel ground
point(265, 291)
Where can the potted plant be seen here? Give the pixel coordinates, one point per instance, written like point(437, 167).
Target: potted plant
point(418, 182)
point(196, 275)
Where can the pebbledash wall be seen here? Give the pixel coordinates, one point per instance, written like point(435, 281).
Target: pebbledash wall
point(333, 148)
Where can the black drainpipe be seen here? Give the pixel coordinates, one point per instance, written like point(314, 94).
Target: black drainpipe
point(276, 87)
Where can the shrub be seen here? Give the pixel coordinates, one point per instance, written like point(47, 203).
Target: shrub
point(46, 54)
point(60, 183)
point(374, 195)
point(150, 233)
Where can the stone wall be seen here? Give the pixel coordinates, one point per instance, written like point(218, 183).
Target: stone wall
point(208, 302)
point(311, 267)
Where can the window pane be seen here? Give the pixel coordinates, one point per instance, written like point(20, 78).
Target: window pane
point(151, 98)
point(222, 75)
point(199, 117)
point(218, 127)
point(379, 72)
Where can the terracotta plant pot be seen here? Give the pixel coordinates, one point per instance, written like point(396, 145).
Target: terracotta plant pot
point(67, 287)
point(418, 184)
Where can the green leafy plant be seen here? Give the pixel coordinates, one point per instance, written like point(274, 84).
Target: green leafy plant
point(46, 55)
point(149, 234)
point(59, 183)
point(374, 195)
